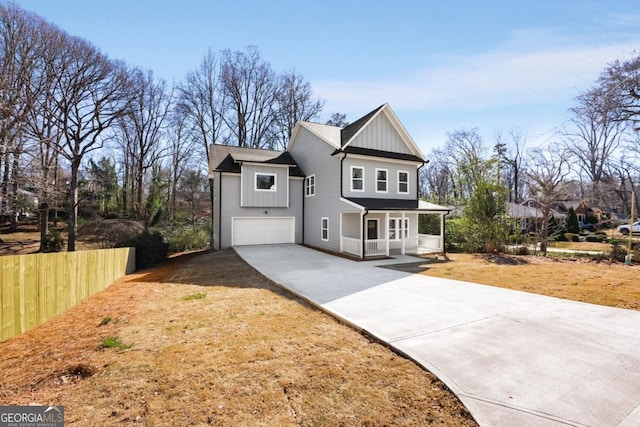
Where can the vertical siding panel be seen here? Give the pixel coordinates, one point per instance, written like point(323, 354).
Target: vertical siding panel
point(380, 134)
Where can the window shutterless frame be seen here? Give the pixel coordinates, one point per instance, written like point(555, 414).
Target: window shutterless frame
point(382, 180)
point(357, 178)
point(265, 181)
point(403, 182)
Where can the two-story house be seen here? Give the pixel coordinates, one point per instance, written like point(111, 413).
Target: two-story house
point(352, 190)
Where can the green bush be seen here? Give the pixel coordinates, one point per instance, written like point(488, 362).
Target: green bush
point(572, 237)
point(53, 242)
point(598, 238)
point(185, 237)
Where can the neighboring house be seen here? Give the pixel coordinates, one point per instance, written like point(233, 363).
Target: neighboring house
point(581, 208)
point(529, 217)
point(358, 193)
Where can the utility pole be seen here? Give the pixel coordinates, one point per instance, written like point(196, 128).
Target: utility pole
point(629, 246)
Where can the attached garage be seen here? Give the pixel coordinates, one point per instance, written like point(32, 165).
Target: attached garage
point(261, 231)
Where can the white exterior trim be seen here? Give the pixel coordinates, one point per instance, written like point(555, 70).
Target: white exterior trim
point(361, 190)
point(322, 228)
point(382, 159)
point(273, 188)
point(408, 184)
point(386, 180)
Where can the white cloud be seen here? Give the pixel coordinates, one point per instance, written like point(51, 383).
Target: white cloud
point(536, 75)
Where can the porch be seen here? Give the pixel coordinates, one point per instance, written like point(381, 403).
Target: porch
point(384, 233)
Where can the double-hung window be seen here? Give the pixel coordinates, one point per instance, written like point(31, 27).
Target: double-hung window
point(310, 186)
point(265, 181)
point(357, 178)
point(381, 180)
point(403, 182)
point(324, 229)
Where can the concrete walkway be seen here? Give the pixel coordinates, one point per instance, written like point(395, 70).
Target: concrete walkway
point(513, 358)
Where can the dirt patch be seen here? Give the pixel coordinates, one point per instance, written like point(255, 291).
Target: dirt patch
point(604, 283)
point(207, 340)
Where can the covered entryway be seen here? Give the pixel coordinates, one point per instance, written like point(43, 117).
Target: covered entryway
point(261, 231)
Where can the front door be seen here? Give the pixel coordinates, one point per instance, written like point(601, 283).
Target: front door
point(372, 229)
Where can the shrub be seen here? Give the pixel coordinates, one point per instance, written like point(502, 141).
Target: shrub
point(151, 248)
point(185, 237)
point(53, 242)
point(572, 237)
point(598, 238)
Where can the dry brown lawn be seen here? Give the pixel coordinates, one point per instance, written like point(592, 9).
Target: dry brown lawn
point(206, 340)
point(612, 284)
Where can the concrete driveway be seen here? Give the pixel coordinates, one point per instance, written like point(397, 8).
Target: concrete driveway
point(513, 358)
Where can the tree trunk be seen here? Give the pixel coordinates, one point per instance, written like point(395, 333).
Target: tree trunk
point(73, 208)
point(43, 211)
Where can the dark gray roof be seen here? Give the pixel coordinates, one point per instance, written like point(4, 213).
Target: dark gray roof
point(384, 204)
point(379, 153)
point(350, 130)
point(235, 156)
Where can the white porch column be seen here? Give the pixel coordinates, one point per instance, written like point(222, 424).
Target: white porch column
point(341, 249)
point(386, 234)
point(442, 232)
point(402, 233)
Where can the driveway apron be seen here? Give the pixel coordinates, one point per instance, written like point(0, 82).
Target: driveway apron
point(513, 358)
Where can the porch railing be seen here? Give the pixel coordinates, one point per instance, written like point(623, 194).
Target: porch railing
point(429, 243)
point(351, 246)
point(411, 245)
point(375, 247)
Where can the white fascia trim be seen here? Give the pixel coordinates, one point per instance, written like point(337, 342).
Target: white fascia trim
point(355, 205)
point(383, 159)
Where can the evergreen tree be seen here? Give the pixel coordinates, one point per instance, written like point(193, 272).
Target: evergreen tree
point(573, 226)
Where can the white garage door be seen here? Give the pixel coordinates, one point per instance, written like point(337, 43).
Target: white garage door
point(260, 231)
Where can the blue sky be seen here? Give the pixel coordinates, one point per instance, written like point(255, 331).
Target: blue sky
point(441, 65)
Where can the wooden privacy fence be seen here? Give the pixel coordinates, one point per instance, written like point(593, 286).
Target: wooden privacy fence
point(34, 288)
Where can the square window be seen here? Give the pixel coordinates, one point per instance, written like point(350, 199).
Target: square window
point(265, 182)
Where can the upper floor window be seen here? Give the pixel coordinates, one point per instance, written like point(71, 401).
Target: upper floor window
point(381, 180)
point(265, 181)
point(403, 182)
point(310, 186)
point(357, 178)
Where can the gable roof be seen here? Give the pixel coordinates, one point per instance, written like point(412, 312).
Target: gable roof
point(348, 132)
point(340, 138)
point(226, 158)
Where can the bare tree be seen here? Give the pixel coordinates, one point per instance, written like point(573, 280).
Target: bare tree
point(141, 130)
point(594, 136)
point(436, 178)
point(547, 172)
point(251, 93)
point(295, 103)
point(620, 81)
point(182, 142)
point(91, 93)
point(200, 101)
point(468, 161)
point(20, 50)
point(510, 150)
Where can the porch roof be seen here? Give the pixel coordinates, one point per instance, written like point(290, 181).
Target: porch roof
point(376, 204)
